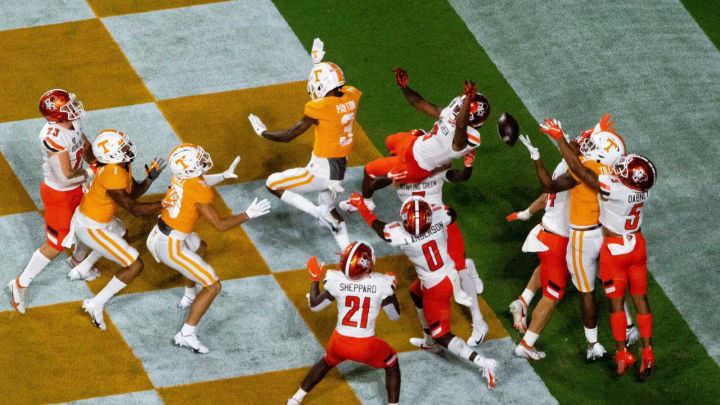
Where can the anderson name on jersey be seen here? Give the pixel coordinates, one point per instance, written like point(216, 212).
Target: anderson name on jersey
point(428, 252)
point(54, 138)
point(621, 207)
point(435, 149)
point(358, 301)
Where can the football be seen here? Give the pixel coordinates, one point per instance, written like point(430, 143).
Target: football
point(508, 129)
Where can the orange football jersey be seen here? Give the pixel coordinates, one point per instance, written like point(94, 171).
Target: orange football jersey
point(584, 208)
point(97, 204)
point(180, 212)
point(335, 115)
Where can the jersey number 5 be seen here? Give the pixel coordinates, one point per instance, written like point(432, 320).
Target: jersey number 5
point(632, 222)
point(354, 304)
point(347, 122)
point(432, 255)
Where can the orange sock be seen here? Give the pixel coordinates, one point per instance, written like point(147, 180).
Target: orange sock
point(618, 321)
point(644, 322)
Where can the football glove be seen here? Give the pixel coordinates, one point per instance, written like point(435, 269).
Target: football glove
point(396, 174)
point(335, 187)
point(155, 168)
point(356, 200)
point(521, 215)
point(257, 124)
point(317, 50)
point(258, 209)
point(401, 77)
point(552, 127)
point(470, 90)
point(534, 152)
point(314, 270)
point(469, 158)
point(230, 172)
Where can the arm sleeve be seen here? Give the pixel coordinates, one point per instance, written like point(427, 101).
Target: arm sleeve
point(213, 179)
point(313, 109)
point(393, 233)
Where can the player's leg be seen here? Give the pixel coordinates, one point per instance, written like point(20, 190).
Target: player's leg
point(328, 201)
point(333, 356)
point(197, 245)
point(461, 349)
point(286, 185)
point(426, 342)
point(392, 383)
point(85, 270)
point(519, 307)
point(377, 353)
point(638, 291)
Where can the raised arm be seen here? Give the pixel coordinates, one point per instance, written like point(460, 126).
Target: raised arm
point(458, 176)
point(317, 300)
point(414, 98)
point(562, 183)
point(460, 139)
point(287, 135)
point(152, 172)
point(553, 128)
point(255, 209)
point(357, 201)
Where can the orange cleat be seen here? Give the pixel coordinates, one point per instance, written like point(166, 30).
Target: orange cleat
point(624, 360)
point(648, 363)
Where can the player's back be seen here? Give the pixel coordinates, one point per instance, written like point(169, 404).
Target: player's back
point(557, 207)
point(435, 149)
point(584, 208)
point(96, 203)
point(621, 207)
point(429, 189)
point(358, 301)
point(54, 138)
point(335, 115)
point(180, 211)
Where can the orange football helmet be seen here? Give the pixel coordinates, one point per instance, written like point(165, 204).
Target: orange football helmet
point(57, 105)
point(636, 172)
point(416, 216)
point(357, 260)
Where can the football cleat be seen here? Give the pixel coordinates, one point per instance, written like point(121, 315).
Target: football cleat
point(345, 205)
point(631, 335)
point(185, 302)
point(648, 363)
point(293, 401)
point(595, 351)
point(478, 334)
point(17, 295)
point(624, 360)
point(470, 264)
point(420, 342)
point(96, 313)
point(327, 220)
point(190, 341)
point(489, 369)
point(528, 352)
point(518, 308)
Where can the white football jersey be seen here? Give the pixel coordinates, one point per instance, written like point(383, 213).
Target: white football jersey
point(358, 301)
point(430, 189)
point(557, 207)
point(54, 138)
point(428, 252)
point(435, 149)
point(621, 207)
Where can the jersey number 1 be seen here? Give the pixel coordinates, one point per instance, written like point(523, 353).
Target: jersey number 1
point(432, 255)
point(354, 304)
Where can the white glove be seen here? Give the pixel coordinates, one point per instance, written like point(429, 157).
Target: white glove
point(257, 209)
point(257, 124)
point(335, 187)
point(317, 50)
point(524, 215)
point(230, 172)
point(534, 152)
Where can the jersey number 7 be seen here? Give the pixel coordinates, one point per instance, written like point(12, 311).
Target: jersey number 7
point(354, 304)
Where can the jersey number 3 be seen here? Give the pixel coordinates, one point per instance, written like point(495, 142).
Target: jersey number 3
point(347, 122)
point(354, 304)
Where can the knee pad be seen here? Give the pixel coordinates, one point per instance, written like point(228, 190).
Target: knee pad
point(326, 198)
point(193, 242)
point(117, 227)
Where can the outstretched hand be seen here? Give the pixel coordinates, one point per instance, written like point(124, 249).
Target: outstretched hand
point(401, 77)
point(230, 172)
point(552, 127)
point(314, 270)
point(356, 200)
point(155, 167)
point(470, 90)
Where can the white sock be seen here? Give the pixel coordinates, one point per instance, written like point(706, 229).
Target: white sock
point(341, 237)
point(458, 347)
point(299, 395)
point(627, 315)
point(527, 295)
point(80, 252)
point(113, 287)
point(426, 329)
point(468, 285)
point(530, 338)
point(37, 264)
point(591, 335)
point(84, 266)
point(187, 330)
point(300, 202)
point(190, 292)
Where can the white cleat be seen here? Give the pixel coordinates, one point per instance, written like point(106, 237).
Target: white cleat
point(293, 401)
point(327, 220)
point(470, 264)
point(596, 351)
point(190, 341)
point(17, 296)
point(96, 313)
point(341, 236)
point(518, 308)
point(185, 302)
point(529, 353)
point(76, 274)
point(632, 335)
point(420, 342)
point(478, 334)
point(489, 370)
point(345, 205)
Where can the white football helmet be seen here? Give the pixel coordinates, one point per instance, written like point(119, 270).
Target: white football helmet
point(325, 76)
point(113, 146)
point(603, 146)
point(189, 160)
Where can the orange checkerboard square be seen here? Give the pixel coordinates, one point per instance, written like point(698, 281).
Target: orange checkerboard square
point(106, 8)
point(218, 122)
point(79, 56)
point(16, 200)
point(55, 354)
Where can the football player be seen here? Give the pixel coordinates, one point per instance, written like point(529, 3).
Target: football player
point(94, 223)
point(415, 155)
point(332, 109)
point(173, 242)
point(422, 236)
point(600, 147)
point(64, 147)
point(360, 293)
point(623, 256)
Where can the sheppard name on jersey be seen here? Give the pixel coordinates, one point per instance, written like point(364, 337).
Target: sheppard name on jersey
point(345, 107)
point(433, 230)
point(362, 288)
point(637, 197)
